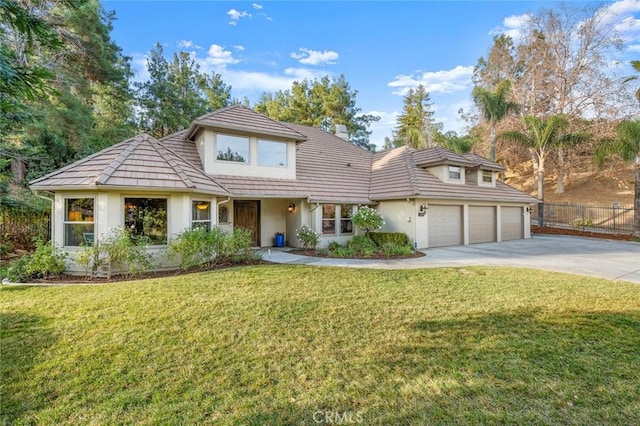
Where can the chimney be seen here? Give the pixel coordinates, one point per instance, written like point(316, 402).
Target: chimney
point(341, 132)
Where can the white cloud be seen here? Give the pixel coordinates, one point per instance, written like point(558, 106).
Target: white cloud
point(633, 48)
point(315, 57)
point(620, 16)
point(139, 66)
point(219, 56)
point(257, 6)
point(187, 44)
point(513, 26)
point(238, 47)
point(236, 15)
point(448, 81)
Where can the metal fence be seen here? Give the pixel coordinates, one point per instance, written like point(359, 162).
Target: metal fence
point(608, 219)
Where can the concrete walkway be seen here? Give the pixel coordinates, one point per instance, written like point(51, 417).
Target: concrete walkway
point(613, 260)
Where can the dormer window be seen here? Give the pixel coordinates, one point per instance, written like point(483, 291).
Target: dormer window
point(232, 148)
point(454, 173)
point(487, 176)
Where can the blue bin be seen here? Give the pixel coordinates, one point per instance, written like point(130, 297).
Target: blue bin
point(279, 240)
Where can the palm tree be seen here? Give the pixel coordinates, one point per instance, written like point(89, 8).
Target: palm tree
point(626, 146)
point(541, 137)
point(495, 106)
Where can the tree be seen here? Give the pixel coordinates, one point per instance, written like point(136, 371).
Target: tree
point(177, 92)
point(541, 137)
point(494, 106)
point(458, 144)
point(322, 103)
point(626, 146)
point(416, 126)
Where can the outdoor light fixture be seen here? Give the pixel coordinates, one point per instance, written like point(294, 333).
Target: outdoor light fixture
point(423, 209)
point(291, 208)
point(203, 205)
point(528, 209)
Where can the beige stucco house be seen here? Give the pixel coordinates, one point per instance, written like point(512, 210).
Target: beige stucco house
point(238, 168)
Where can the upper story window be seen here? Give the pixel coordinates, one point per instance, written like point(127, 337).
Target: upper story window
point(271, 153)
point(78, 221)
point(454, 173)
point(487, 176)
point(146, 219)
point(201, 214)
point(232, 148)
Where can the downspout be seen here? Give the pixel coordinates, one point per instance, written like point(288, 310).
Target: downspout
point(413, 219)
point(53, 214)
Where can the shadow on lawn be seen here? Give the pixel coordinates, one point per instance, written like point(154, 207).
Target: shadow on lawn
point(521, 367)
point(22, 338)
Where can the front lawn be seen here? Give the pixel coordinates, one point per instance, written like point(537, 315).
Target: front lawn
point(304, 345)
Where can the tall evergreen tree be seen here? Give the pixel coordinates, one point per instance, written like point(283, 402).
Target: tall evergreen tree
point(416, 126)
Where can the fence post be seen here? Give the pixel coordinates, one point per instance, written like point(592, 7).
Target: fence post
point(614, 206)
point(541, 214)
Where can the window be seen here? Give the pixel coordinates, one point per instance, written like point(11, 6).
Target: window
point(146, 219)
point(201, 214)
point(232, 148)
point(454, 172)
point(78, 221)
point(346, 226)
point(329, 219)
point(487, 176)
point(223, 214)
point(272, 153)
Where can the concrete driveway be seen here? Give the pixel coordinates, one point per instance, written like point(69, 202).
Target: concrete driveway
point(613, 260)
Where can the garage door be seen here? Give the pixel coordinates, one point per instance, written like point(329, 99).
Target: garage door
point(445, 225)
point(512, 223)
point(482, 224)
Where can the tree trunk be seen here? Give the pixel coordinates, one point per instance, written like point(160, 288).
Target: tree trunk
point(492, 140)
point(534, 163)
point(560, 180)
point(541, 179)
point(18, 170)
point(636, 202)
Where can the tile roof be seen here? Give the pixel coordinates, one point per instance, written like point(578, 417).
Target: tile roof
point(139, 162)
point(243, 119)
point(328, 169)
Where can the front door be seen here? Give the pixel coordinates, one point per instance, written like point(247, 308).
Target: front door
point(247, 215)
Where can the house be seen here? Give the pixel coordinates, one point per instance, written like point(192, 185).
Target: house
point(237, 168)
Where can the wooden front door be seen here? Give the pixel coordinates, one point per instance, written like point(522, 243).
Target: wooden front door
point(247, 215)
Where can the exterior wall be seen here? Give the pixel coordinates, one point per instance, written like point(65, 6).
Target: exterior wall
point(442, 173)
point(213, 166)
point(295, 220)
point(399, 216)
point(273, 218)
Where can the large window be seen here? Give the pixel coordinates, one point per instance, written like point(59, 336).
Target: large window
point(232, 148)
point(272, 153)
point(346, 226)
point(329, 219)
point(146, 218)
point(201, 215)
point(454, 173)
point(78, 221)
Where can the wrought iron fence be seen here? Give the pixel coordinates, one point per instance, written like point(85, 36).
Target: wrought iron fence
point(608, 219)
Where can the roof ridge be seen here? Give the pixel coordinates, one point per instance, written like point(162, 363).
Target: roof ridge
point(170, 159)
point(117, 162)
point(410, 168)
point(190, 166)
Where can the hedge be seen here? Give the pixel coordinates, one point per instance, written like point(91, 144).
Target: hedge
point(396, 238)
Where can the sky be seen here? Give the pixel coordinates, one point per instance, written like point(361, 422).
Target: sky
point(383, 48)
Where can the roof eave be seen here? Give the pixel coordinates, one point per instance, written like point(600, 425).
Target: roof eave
point(247, 129)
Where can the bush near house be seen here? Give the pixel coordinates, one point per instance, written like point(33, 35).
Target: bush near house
point(396, 238)
point(396, 244)
point(367, 219)
point(47, 260)
point(308, 237)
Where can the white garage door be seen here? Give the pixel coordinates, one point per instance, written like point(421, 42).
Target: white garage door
point(482, 224)
point(512, 223)
point(445, 225)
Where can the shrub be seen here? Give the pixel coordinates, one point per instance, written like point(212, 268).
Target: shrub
point(362, 245)
point(120, 249)
point(395, 238)
point(393, 250)
point(191, 248)
point(582, 223)
point(343, 252)
point(88, 258)
point(333, 245)
point(6, 246)
point(367, 219)
point(239, 245)
point(308, 237)
point(45, 261)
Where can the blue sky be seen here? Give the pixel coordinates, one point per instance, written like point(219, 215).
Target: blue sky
point(382, 48)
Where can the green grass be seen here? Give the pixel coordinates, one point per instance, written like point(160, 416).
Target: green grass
point(276, 344)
